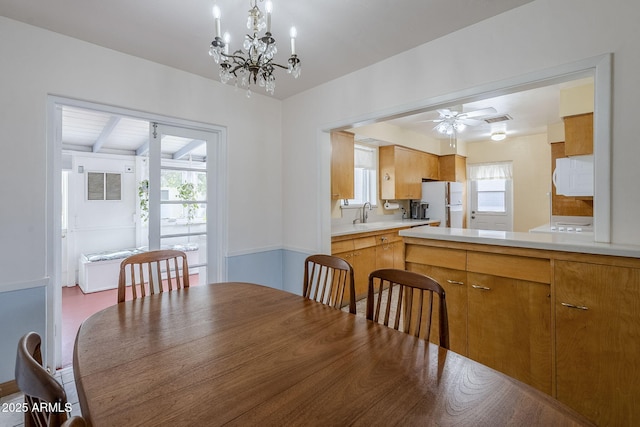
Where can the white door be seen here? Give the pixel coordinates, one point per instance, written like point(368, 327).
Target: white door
point(491, 202)
point(182, 181)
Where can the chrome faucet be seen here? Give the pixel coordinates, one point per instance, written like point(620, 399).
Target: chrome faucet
point(365, 215)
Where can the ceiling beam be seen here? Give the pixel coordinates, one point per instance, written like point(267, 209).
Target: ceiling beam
point(143, 149)
point(195, 143)
point(106, 132)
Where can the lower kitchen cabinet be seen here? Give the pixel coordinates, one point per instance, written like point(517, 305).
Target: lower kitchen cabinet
point(510, 327)
point(447, 267)
point(389, 251)
point(499, 308)
point(367, 252)
point(566, 323)
point(598, 341)
point(454, 283)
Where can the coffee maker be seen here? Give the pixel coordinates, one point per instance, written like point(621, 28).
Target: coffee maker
point(419, 209)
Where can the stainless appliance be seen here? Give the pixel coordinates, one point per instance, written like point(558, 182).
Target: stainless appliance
point(444, 200)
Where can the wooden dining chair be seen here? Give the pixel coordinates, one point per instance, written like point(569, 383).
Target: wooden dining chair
point(403, 300)
point(326, 278)
point(145, 271)
point(40, 389)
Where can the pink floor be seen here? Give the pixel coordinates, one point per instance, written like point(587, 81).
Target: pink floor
point(78, 306)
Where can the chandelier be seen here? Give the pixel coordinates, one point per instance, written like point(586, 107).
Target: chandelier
point(253, 64)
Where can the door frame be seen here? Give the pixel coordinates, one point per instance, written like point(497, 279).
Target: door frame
point(217, 269)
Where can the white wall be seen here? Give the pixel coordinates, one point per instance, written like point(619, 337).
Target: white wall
point(36, 63)
point(536, 36)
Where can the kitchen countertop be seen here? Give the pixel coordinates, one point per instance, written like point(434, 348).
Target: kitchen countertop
point(569, 242)
point(346, 229)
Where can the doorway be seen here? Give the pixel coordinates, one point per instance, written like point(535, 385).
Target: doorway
point(186, 210)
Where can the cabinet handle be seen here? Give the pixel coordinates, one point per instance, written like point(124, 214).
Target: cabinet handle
point(579, 307)
point(482, 288)
point(455, 282)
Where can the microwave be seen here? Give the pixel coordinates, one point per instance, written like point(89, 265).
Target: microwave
point(573, 176)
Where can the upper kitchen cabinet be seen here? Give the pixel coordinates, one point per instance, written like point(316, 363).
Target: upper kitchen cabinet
point(578, 134)
point(401, 172)
point(430, 165)
point(453, 168)
point(342, 162)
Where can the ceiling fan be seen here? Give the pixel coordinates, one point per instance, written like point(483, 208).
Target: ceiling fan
point(452, 121)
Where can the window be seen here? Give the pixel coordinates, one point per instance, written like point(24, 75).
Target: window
point(492, 195)
point(104, 186)
point(365, 175)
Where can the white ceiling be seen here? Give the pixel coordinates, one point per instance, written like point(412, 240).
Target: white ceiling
point(335, 37)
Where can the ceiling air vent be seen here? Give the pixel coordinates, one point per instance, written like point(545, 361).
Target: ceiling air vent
point(497, 119)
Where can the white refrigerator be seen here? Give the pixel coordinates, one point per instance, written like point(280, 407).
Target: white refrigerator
point(445, 202)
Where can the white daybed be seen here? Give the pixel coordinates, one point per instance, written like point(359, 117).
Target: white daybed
point(99, 271)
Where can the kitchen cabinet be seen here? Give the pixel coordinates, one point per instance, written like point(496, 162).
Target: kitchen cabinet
point(447, 267)
point(499, 308)
point(510, 315)
point(402, 170)
point(367, 252)
point(342, 165)
point(452, 167)
point(578, 134)
point(361, 254)
point(597, 311)
point(429, 165)
point(565, 322)
point(390, 251)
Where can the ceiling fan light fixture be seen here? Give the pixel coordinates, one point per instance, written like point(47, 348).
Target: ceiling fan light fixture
point(498, 136)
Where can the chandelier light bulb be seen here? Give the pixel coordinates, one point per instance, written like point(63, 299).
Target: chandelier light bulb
point(293, 33)
point(216, 17)
point(269, 8)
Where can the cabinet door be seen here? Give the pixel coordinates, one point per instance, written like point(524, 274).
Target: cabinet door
point(364, 262)
point(454, 283)
point(429, 166)
point(342, 163)
point(510, 327)
point(408, 174)
point(578, 134)
point(598, 341)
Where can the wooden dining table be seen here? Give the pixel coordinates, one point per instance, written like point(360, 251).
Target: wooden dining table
point(244, 354)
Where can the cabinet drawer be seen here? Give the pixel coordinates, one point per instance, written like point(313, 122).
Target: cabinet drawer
point(342, 246)
point(439, 257)
point(515, 267)
point(386, 238)
point(364, 242)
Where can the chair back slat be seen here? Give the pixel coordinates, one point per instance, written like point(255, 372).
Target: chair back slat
point(406, 298)
point(326, 279)
point(149, 268)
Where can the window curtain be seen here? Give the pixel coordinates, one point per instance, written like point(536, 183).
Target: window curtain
point(490, 171)
point(364, 157)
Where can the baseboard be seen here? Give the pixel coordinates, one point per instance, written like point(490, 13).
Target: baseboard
point(10, 387)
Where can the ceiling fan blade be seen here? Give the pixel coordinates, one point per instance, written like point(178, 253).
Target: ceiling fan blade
point(445, 112)
point(478, 113)
point(471, 122)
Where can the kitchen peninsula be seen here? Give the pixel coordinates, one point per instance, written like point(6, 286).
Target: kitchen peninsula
point(557, 311)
